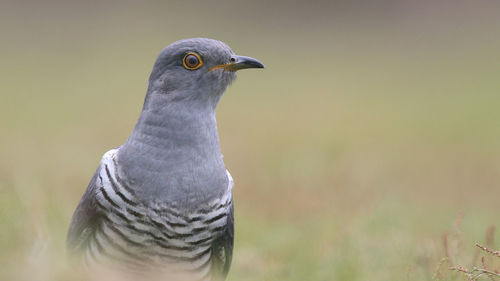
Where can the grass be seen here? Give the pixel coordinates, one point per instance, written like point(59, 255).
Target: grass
point(350, 164)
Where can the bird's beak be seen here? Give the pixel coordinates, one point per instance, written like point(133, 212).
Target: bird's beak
point(238, 63)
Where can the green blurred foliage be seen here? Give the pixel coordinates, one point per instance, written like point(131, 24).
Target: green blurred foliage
point(373, 126)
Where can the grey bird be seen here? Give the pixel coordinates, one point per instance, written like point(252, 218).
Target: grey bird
point(163, 200)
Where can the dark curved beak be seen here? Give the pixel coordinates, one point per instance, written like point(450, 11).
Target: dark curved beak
point(238, 63)
point(242, 62)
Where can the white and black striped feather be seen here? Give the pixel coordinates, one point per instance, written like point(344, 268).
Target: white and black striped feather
point(109, 224)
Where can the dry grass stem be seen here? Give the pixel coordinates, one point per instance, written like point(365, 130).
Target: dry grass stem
point(488, 250)
point(476, 273)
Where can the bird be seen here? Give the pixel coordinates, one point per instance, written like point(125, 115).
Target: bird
point(162, 201)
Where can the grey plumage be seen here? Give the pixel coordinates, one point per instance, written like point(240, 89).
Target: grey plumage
point(163, 199)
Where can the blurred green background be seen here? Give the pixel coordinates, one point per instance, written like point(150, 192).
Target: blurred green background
point(368, 149)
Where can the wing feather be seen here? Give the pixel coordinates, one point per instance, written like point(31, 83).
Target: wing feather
point(85, 218)
point(222, 249)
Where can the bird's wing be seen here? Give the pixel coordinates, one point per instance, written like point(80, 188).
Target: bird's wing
point(86, 217)
point(222, 249)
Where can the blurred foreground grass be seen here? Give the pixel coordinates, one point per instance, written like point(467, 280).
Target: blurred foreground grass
point(352, 154)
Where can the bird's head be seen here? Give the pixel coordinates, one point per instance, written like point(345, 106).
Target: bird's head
point(196, 69)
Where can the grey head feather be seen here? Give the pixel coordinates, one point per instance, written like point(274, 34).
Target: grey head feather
point(173, 154)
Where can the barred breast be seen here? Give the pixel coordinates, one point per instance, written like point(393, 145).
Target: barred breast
point(153, 237)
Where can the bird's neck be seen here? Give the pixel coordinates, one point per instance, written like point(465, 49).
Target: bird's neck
point(174, 151)
point(175, 126)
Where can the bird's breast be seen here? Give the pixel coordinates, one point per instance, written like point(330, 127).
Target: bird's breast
point(184, 175)
point(153, 236)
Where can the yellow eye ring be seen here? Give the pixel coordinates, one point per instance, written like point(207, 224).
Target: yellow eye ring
point(192, 61)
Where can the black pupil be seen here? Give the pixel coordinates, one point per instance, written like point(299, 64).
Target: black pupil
point(192, 60)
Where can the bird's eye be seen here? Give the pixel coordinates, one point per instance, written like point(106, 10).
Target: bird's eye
point(192, 61)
